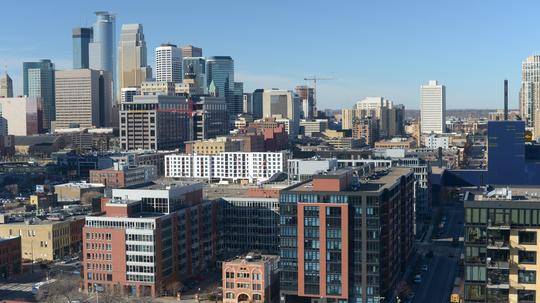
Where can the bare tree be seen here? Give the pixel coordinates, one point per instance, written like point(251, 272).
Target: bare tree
point(64, 289)
point(87, 197)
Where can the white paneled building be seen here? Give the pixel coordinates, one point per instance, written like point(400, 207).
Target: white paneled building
point(234, 166)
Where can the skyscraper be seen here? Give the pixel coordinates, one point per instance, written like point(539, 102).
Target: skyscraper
point(194, 69)
point(306, 95)
point(220, 70)
point(433, 107)
point(529, 94)
point(238, 104)
point(257, 103)
point(282, 104)
point(168, 63)
point(101, 49)
point(38, 81)
point(83, 98)
point(6, 86)
point(82, 37)
point(191, 51)
point(132, 66)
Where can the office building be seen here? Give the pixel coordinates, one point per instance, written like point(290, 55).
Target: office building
point(23, 115)
point(433, 141)
point(6, 86)
point(282, 104)
point(83, 98)
point(396, 143)
point(121, 176)
point(275, 135)
point(168, 63)
point(501, 244)
point(529, 94)
point(194, 69)
point(191, 51)
point(81, 40)
point(433, 107)
point(102, 56)
point(209, 118)
point(220, 74)
point(251, 222)
point(150, 239)
point(39, 81)
point(238, 104)
point(257, 104)
point(155, 122)
point(390, 117)
point(347, 118)
point(75, 191)
point(46, 240)
point(300, 170)
point(247, 106)
point(307, 98)
point(127, 93)
point(366, 128)
point(313, 127)
point(157, 88)
point(334, 245)
point(251, 278)
point(10, 257)
point(233, 166)
point(213, 146)
point(132, 67)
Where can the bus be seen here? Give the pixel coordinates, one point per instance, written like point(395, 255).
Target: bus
point(42, 286)
point(457, 292)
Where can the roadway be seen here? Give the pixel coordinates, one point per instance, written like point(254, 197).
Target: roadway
point(438, 281)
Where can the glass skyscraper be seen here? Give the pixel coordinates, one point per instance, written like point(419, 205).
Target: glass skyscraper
point(220, 70)
point(81, 39)
point(101, 49)
point(196, 67)
point(38, 81)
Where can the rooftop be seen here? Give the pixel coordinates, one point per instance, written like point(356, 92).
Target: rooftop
point(503, 194)
point(80, 185)
point(253, 258)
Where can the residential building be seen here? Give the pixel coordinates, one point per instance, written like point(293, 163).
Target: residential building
point(6, 86)
point(529, 93)
point(433, 107)
point(22, 115)
point(191, 51)
point(233, 166)
point(168, 63)
point(499, 115)
point(39, 81)
point(82, 37)
point(347, 118)
point(213, 146)
point(251, 222)
point(132, 66)
point(501, 244)
point(10, 257)
point(433, 141)
point(332, 235)
point(276, 137)
point(220, 72)
point(46, 240)
point(251, 278)
point(150, 239)
point(390, 117)
point(257, 104)
point(76, 191)
point(313, 127)
point(121, 176)
point(400, 143)
point(307, 98)
point(102, 56)
point(366, 128)
point(83, 98)
point(155, 122)
point(157, 88)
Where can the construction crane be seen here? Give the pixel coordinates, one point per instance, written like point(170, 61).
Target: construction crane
point(315, 78)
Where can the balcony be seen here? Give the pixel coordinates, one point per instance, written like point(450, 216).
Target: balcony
point(498, 279)
point(498, 226)
point(498, 244)
point(491, 264)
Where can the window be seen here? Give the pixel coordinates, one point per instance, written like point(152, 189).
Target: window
point(229, 295)
point(475, 293)
point(527, 257)
point(527, 276)
point(527, 237)
point(475, 273)
point(526, 296)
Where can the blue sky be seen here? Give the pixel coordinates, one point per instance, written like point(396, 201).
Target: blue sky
point(372, 48)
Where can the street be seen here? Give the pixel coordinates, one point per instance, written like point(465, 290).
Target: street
point(437, 282)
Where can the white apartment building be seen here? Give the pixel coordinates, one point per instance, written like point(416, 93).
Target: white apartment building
point(433, 107)
point(168, 63)
point(234, 166)
point(434, 142)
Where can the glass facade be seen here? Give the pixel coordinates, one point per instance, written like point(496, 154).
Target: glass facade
point(220, 71)
point(81, 39)
point(39, 81)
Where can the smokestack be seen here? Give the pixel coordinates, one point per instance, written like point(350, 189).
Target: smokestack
point(505, 99)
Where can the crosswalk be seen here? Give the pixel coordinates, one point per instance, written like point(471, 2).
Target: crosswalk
point(16, 290)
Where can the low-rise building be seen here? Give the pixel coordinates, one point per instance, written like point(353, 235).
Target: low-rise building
point(401, 143)
point(212, 146)
point(433, 141)
point(44, 200)
point(10, 257)
point(313, 127)
point(120, 175)
point(251, 278)
point(74, 191)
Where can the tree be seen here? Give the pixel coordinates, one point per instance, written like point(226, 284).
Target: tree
point(87, 197)
point(66, 288)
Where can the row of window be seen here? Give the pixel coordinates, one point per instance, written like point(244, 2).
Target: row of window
point(98, 246)
point(98, 236)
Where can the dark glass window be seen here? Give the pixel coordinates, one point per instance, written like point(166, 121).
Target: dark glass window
point(526, 296)
point(527, 257)
point(527, 237)
point(527, 276)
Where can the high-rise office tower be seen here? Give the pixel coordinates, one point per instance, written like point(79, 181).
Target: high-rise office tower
point(168, 63)
point(132, 66)
point(257, 103)
point(220, 71)
point(38, 81)
point(246, 103)
point(6, 86)
point(101, 50)
point(307, 94)
point(282, 104)
point(191, 51)
point(342, 240)
point(529, 94)
point(433, 107)
point(194, 69)
point(82, 37)
point(238, 105)
point(83, 98)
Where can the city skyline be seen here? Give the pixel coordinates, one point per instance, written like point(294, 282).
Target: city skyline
point(390, 59)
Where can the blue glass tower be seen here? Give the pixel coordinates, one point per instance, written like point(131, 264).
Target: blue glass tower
point(38, 81)
point(220, 70)
point(102, 48)
point(81, 39)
